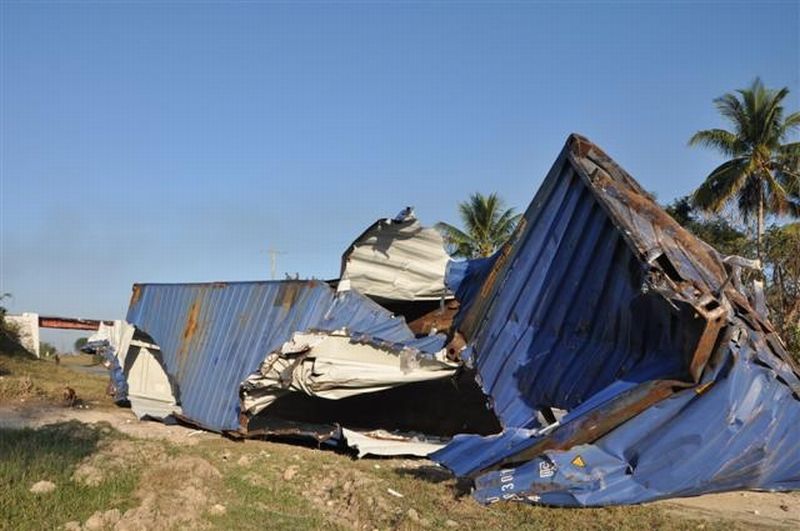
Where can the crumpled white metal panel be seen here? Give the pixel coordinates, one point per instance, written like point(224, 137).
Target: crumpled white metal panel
point(331, 365)
point(149, 389)
point(383, 443)
point(397, 259)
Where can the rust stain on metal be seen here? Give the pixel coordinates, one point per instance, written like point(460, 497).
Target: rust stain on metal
point(190, 327)
point(591, 427)
point(136, 294)
point(440, 319)
point(288, 294)
point(687, 255)
point(715, 321)
point(608, 179)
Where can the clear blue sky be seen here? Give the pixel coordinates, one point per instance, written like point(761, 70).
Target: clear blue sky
point(179, 141)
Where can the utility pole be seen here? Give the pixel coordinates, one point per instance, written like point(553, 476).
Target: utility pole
point(273, 261)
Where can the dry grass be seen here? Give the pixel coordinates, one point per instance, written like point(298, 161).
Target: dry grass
point(24, 378)
point(103, 478)
point(106, 480)
point(290, 487)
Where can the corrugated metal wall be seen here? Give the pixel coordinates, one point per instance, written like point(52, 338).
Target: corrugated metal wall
point(568, 317)
point(742, 432)
point(213, 335)
point(599, 305)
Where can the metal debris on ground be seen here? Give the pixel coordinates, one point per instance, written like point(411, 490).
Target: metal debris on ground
point(624, 359)
point(603, 306)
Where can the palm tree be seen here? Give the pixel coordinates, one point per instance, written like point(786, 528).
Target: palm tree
point(487, 225)
point(762, 173)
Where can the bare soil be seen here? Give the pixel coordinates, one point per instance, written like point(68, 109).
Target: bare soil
point(190, 477)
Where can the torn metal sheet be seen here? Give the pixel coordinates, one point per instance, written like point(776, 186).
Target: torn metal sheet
point(736, 430)
point(147, 386)
point(396, 259)
point(378, 443)
point(602, 305)
point(118, 386)
point(383, 443)
point(335, 365)
point(213, 336)
point(149, 389)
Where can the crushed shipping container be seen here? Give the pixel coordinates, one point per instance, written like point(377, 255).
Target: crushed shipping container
point(624, 359)
point(213, 337)
point(620, 353)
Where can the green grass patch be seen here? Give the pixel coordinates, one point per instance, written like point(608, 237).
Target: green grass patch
point(327, 490)
point(51, 453)
point(273, 506)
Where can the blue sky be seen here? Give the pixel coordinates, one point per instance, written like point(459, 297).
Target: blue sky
point(155, 142)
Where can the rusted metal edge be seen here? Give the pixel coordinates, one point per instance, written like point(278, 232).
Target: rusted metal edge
point(616, 180)
point(705, 305)
point(590, 427)
point(481, 309)
point(288, 428)
point(70, 323)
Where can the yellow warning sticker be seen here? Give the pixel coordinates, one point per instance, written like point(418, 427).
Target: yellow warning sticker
point(700, 389)
point(579, 462)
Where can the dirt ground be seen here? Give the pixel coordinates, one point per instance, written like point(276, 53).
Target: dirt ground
point(747, 509)
point(753, 509)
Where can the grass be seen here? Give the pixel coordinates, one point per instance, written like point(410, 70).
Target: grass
point(226, 484)
point(51, 454)
point(25, 378)
point(330, 490)
point(324, 490)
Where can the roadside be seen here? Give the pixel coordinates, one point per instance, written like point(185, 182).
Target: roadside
point(749, 509)
point(23, 379)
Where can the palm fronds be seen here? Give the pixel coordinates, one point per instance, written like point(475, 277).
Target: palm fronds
point(487, 225)
point(762, 173)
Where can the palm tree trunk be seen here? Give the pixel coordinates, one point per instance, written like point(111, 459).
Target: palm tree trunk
point(760, 228)
point(778, 280)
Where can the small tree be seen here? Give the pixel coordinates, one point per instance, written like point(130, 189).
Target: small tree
point(762, 173)
point(712, 229)
point(487, 225)
point(80, 343)
point(782, 256)
point(6, 329)
point(46, 349)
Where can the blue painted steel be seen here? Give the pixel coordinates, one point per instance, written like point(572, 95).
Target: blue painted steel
point(465, 278)
point(567, 317)
point(119, 385)
point(740, 433)
point(212, 336)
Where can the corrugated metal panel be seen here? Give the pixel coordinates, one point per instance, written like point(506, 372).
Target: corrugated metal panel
point(602, 305)
point(213, 335)
point(397, 259)
point(465, 278)
point(739, 431)
point(564, 320)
